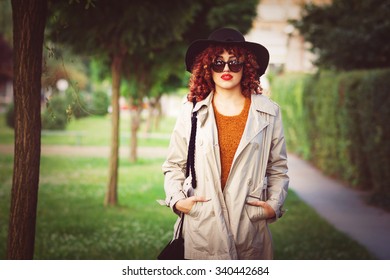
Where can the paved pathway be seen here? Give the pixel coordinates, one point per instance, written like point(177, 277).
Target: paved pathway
point(341, 206)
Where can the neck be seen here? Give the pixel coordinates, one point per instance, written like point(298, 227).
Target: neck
point(228, 102)
point(228, 95)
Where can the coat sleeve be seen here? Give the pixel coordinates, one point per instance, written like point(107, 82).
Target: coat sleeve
point(276, 172)
point(174, 167)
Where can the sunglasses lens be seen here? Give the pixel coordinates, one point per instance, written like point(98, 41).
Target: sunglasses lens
point(218, 67)
point(234, 66)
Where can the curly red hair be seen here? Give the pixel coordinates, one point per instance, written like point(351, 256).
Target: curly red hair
point(201, 82)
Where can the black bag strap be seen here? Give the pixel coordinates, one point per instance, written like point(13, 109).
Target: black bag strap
point(190, 160)
point(191, 147)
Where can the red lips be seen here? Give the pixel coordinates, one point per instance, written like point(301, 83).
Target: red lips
point(226, 77)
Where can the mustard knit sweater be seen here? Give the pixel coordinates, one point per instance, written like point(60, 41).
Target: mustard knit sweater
point(230, 130)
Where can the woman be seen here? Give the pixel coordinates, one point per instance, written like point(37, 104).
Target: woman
point(240, 153)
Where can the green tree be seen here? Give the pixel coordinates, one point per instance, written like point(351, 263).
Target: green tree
point(29, 19)
point(112, 30)
point(348, 34)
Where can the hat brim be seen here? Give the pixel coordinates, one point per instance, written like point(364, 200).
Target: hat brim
point(261, 53)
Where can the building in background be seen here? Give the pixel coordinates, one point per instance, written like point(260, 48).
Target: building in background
point(288, 51)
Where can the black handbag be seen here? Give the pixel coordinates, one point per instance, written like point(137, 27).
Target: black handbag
point(175, 248)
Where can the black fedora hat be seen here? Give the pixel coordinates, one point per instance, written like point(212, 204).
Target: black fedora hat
point(227, 36)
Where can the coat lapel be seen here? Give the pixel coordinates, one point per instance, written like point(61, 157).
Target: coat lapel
point(256, 122)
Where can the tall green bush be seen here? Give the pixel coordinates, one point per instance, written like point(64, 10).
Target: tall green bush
point(339, 121)
point(55, 116)
point(287, 91)
point(348, 128)
point(369, 102)
point(320, 99)
point(100, 103)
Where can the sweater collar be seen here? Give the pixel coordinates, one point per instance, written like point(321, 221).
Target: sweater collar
point(260, 103)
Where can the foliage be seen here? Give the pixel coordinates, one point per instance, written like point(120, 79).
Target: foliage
point(10, 116)
point(287, 91)
point(73, 224)
point(348, 34)
point(61, 63)
point(79, 103)
point(339, 121)
point(116, 26)
point(55, 116)
point(347, 124)
point(6, 20)
point(220, 13)
point(100, 103)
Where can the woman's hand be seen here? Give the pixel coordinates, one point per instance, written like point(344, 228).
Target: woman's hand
point(269, 212)
point(185, 205)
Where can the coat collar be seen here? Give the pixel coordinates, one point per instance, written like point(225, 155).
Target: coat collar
point(262, 103)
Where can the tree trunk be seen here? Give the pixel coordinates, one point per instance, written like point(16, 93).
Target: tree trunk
point(158, 113)
point(150, 118)
point(112, 189)
point(153, 114)
point(29, 18)
point(135, 124)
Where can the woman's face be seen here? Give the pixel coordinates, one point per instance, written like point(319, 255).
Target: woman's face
point(227, 79)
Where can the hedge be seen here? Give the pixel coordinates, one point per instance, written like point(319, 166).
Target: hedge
point(287, 91)
point(342, 123)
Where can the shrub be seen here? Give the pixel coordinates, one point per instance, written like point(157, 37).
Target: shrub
point(79, 104)
point(55, 116)
point(340, 123)
point(100, 103)
point(287, 92)
point(369, 102)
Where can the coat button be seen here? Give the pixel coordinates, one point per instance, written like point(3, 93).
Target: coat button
point(250, 182)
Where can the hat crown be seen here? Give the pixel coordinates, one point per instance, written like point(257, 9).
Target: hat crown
point(226, 35)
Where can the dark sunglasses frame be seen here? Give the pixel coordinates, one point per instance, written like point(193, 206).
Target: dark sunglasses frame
point(219, 65)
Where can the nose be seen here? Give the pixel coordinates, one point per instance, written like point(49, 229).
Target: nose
point(226, 66)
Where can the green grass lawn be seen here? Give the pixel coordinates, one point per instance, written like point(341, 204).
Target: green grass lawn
point(72, 222)
point(96, 131)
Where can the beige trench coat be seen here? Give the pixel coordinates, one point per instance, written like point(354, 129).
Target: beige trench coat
point(226, 227)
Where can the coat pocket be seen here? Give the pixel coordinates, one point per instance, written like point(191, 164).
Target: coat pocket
point(255, 213)
point(194, 212)
point(203, 209)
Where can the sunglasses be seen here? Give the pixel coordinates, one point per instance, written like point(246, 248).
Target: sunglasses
point(233, 65)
